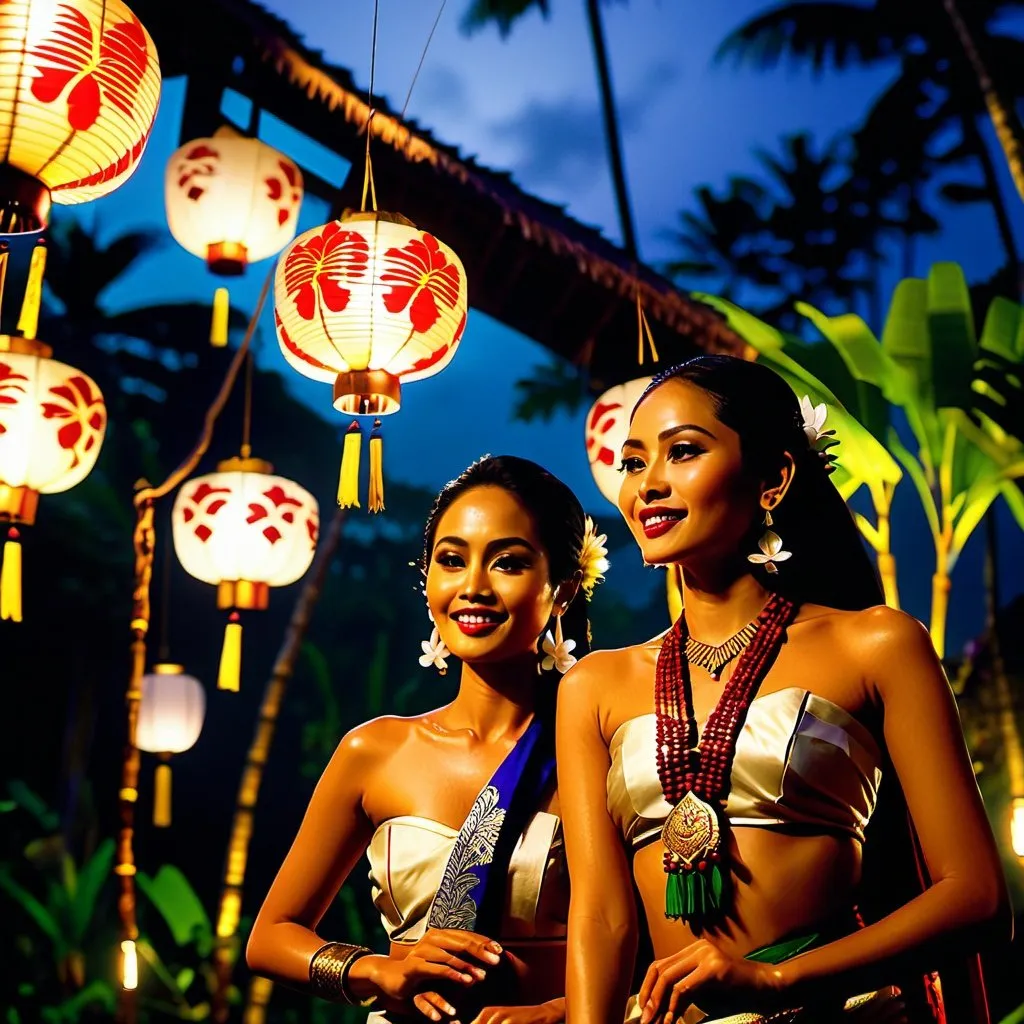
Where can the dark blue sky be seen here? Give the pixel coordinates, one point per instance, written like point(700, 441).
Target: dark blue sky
point(529, 105)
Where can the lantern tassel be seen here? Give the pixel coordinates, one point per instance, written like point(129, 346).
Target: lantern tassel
point(348, 482)
point(375, 501)
point(10, 578)
point(162, 796)
point(219, 322)
point(230, 673)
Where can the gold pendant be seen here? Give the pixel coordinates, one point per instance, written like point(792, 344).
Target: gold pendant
point(691, 831)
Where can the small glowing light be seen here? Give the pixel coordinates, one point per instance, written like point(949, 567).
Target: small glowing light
point(1017, 826)
point(129, 966)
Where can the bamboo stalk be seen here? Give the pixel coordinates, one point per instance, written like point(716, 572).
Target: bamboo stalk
point(226, 947)
point(886, 559)
point(144, 543)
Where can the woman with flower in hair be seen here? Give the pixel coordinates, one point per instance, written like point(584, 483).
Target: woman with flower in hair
point(732, 768)
point(457, 809)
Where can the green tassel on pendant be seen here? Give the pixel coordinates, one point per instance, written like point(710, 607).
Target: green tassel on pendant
point(674, 896)
point(716, 887)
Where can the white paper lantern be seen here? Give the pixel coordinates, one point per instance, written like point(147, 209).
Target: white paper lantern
point(171, 713)
point(367, 303)
point(232, 200)
point(606, 430)
point(79, 88)
point(243, 530)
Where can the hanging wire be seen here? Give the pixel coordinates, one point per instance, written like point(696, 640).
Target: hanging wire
point(423, 57)
point(368, 185)
point(247, 407)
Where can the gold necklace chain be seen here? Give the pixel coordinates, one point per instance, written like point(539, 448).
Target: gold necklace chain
point(714, 657)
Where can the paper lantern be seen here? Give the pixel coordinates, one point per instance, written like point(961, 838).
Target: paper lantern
point(171, 712)
point(367, 303)
point(79, 87)
point(52, 422)
point(1017, 826)
point(243, 530)
point(607, 428)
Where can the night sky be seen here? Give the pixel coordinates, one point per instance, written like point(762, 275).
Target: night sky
point(529, 105)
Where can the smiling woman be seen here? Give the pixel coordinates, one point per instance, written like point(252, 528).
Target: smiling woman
point(747, 812)
point(457, 809)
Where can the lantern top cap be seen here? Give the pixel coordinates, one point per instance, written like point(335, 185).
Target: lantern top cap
point(166, 668)
point(372, 215)
point(240, 464)
point(24, 346)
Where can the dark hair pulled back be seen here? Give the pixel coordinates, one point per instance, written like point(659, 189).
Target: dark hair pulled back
point(829, 564)
point(555, 510)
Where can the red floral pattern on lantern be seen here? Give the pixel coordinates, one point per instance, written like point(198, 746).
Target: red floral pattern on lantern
point(109, 68)
point(316, 271)
point(284, 190)
point(199, 162)
point(85, 412)
point(313, 529)
point(601, 421)
point(9, 383)
point(281, 508)
point(207, 502)
point(421, 277)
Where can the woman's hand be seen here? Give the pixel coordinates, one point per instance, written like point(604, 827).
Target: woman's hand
point(442, 955)
point(552, 1012)
point(672, 984)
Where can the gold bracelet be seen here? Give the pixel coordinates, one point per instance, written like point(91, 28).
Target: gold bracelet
point(328, 972)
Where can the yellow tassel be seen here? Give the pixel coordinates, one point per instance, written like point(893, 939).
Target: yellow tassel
point(10, 578)
point(230, 674)
point(162, 796)
point(219, 323)
point(675, 592)
point(28, 322)
point(348, 482)
point(375, 501)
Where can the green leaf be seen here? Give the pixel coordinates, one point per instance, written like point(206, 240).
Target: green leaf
point(554, 387)
point(90, 881)
point(177, 903)
point(917, 476)
point(1013, 497)
point(874, 538)
point(954, 344)
point(28, 801)
point(43, 918)
point(975, 508)
point(1003, 331)
point(184, 979)
point(96, 994)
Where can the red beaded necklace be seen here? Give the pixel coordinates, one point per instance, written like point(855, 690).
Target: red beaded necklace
point(695, 779)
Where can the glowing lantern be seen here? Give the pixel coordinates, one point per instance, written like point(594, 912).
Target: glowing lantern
point(1017, 826)
point(607, 428)
point(366, 303)
point(231, 201)
point(245, 531)
point(171, 714)
point(52, 422)
point(79, 87)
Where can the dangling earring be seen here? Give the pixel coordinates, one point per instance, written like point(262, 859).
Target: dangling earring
point(434, 652)
point(771, 547)
point(557, 650)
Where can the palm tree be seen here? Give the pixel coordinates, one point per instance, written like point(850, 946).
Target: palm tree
point(932, 62)
point(504, 14)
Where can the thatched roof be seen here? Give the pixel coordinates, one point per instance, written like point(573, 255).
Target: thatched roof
point(529, 264)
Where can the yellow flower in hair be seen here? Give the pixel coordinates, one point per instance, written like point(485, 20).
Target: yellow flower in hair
point(593, 558)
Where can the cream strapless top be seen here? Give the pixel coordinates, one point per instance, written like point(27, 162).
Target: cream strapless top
point(800, 760)
point(407, 857)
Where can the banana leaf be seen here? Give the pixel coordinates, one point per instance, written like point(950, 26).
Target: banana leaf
point(172, 895)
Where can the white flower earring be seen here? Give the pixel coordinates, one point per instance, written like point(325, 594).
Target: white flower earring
point(771, 547)
point(434, 650)
point(557, 650)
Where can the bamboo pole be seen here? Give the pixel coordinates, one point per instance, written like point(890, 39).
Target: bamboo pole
point(144, 543)
point(226, 947)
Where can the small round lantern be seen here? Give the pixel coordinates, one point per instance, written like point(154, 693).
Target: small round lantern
point(52, 422)
point(243, 530)
point(607, 428)
point(80, 82)
point(171, 713)
point(367, 303)
point(231, 201)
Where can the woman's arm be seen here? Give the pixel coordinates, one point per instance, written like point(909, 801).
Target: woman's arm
point(602, 912)
point(965, 908)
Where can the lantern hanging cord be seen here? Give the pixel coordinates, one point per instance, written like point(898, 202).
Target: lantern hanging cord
point(423, 57)
point(150, 494)
point(368, 185)
point(247, 409)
